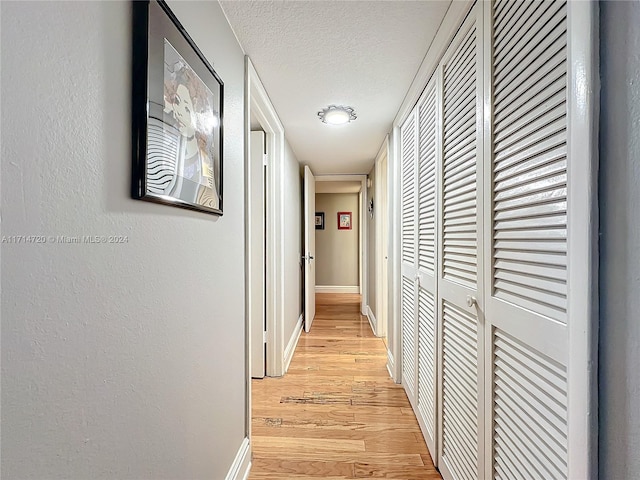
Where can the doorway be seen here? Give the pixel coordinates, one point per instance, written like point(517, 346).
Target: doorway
point(264, 232)
point(380, 216)
point(346, 272)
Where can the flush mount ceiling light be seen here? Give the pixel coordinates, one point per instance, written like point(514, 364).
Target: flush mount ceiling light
point(337, 115)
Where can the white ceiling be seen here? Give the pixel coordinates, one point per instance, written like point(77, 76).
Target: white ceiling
point(310, 54)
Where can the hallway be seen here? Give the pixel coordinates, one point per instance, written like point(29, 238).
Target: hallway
point(336, 414)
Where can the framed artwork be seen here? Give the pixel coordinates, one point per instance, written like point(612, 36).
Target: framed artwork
point(344, 220)
point(319, 220)
point(177, 114)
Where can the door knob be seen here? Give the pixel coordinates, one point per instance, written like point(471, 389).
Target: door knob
point(471, 301)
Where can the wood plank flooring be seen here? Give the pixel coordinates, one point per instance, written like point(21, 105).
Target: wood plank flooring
point(336, 414)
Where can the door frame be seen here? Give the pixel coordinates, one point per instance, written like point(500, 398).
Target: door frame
point(381, 233)
point(363, 237)
point(259, 105)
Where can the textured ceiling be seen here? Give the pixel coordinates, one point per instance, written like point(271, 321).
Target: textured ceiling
point(310, 54)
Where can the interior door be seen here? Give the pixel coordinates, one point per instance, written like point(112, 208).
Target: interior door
point(256, 241)
point(382, 245)
point(310, 248)
point(529, 220)
point(461, 449)
point(409, 272)
point(428, 148)
point(384, 291)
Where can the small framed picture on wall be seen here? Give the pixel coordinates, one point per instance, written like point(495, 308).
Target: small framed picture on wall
point(344, 220)
point(319, 220)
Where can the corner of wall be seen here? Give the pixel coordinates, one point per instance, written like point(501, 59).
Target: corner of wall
point(391, 365)
point(372, 321)
point(242, 463)
point(293, 343)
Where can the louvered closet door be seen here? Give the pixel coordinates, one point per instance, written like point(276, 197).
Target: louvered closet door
point(526, 309)
point(428, 148)
point(461, 453)
point(408, 148)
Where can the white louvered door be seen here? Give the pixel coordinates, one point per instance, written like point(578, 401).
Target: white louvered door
point(461, 453)
point(428, 148)
point(526, 240)
point(408, 152)
point(498, 232)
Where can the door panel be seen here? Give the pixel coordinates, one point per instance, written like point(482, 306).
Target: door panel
point(427, 365)
point(428, 149)
point(256, 241)
point(526, 307)
point(409, 336)
point(459, 293)
point(310, 248)
point(459, 392)
point(408, 148)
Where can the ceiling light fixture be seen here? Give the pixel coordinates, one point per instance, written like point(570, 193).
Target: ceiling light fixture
point(337, 115)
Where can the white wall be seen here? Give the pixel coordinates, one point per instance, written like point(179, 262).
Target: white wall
point(337, 251)
point(119, 361)
point(292, 243)
point(620, 240)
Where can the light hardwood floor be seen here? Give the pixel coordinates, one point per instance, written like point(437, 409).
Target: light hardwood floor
point(336, 414)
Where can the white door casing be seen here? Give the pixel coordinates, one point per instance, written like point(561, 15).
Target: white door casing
point(309, 248)
point(259, 105)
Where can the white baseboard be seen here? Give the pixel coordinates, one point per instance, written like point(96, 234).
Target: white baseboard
point(242, 463)
point(337, 289)
point(391, 365)
point(293, 343)
point(372, 321)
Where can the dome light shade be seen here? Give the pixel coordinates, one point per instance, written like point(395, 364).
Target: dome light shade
point(337, 115)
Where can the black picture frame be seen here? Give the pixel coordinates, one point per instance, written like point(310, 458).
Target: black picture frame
point(319, 220)
point(177, 115)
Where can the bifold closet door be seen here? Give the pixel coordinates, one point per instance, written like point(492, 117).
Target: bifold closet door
point(461, 453)
point(428, 148)
point(527, 315)
point(408, 164)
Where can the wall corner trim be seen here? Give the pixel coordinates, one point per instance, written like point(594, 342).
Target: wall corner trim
point(372, 321)
point(242, 463)
point(293, 342)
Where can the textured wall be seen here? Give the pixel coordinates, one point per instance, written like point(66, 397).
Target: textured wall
point(119, 361)
point(337, 251)
point(620, 240)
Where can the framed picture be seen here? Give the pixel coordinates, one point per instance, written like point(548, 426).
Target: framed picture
point(344, 220)
point(319, 220)
point(177, 114)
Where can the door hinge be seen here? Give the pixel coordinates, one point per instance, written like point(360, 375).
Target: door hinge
point(264, 337)
point(265, 158)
